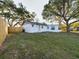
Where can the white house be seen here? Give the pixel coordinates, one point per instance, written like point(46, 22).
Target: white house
point(35, 27)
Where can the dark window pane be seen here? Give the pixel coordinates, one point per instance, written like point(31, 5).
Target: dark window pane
point(53, 28)
point(42, 27)
point(47, 27)
point(32, 25)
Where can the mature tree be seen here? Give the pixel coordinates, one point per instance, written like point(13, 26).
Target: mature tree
point(65, 9)
point(7, 10)
point(13, 14)
point(7, 6)
point(23, 14)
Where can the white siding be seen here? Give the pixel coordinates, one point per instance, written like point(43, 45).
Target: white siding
point(38, 28)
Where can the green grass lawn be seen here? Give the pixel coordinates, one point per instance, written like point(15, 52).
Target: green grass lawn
point(41, 46)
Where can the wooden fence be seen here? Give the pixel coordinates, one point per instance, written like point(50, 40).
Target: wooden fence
point(3, 30)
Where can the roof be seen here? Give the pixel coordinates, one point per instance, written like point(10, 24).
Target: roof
point(36, 23)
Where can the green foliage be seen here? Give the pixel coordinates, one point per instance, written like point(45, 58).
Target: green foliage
point(12, 13)
point(65, 9)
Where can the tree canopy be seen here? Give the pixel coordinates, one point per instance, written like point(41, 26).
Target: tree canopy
point(65, 9)
point(14, 14)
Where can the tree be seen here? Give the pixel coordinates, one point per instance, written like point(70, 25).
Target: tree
point(7, 10)
point(23, 14)
point(13, 14)
point(65, 9)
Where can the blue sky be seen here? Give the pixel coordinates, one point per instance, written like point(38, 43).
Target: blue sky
point(34, 6)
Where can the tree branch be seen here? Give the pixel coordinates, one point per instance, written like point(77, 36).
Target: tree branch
point(74, 22)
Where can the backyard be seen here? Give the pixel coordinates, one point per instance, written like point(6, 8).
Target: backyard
point(41, 46)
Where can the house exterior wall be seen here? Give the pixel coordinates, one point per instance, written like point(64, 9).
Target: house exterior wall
point(56, 28)
point(3, 30)
point(28, 27)
point(43, 28)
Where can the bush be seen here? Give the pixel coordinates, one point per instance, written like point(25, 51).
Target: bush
point(15, 29)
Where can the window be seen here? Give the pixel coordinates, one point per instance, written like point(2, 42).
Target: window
point(42, 26)
point(47, 27)
point(32, 25)
point(53, 28)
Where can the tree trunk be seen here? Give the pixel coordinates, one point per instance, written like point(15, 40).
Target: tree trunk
point(67, 26)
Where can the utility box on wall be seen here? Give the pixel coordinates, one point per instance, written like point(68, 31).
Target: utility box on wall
point(3, 30)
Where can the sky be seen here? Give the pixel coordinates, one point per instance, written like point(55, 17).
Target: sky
point(34, 6)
